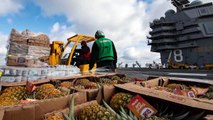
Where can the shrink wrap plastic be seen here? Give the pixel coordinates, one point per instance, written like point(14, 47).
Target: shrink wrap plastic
point(18, 74)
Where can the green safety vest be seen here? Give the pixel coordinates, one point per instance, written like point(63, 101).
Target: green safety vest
point(105, 49)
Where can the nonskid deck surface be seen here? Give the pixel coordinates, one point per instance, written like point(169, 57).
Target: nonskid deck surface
point(144, 72)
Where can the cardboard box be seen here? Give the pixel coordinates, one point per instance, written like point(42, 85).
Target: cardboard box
point(141, 108)
point(175, 103)
point(91, 93)
point(94, 93)
point(36, 110)
point(20, 112)
point(80, 107)
point(8, 84)
point(168, 96)
point(50, 105)
point(20, 61)
point(77, 109)
point(192, 88)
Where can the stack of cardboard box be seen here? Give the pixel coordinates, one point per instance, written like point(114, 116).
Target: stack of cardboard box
point(26, 48)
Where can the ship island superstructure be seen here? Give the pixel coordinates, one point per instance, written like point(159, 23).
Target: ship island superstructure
point(184, 36)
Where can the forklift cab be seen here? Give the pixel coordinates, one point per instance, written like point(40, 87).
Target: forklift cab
point(77, 39)
point(68, 59)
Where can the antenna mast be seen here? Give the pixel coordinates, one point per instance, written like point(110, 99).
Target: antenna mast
point(179, 4)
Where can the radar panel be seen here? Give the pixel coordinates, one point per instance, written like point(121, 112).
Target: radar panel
point(179, 3)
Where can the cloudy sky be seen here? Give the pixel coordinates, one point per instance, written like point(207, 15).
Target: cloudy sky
point(126, 22)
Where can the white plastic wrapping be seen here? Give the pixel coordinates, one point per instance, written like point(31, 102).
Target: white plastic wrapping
point(8, 79)
point(25, 72)
point(18, 74)
point(34, 72)
point(18, 78)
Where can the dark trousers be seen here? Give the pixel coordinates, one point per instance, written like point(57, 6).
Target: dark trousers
point(108, 64)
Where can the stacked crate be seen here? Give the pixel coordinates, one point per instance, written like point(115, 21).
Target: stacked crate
point(27, 49)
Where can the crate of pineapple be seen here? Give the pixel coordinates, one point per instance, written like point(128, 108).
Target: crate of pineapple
point(115, 106)
point(17, 101)
point(123, 78)
point(73, 111)
point(37, 109)
point(86, 111)
point(93, 111)
point(78, 84)
point(88, 84)
point(85, 85)
point(195, 94)
point(147, 106)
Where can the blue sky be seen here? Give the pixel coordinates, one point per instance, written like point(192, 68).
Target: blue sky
point(30, 17)
point(126, 22)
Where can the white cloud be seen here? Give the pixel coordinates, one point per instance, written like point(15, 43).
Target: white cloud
point(10, 6)
point(208, 1)
point(55, 27)
point(3, 49)
point(126, 22)
point(61, 32)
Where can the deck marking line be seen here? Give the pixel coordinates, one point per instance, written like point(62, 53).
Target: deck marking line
point(187, 74)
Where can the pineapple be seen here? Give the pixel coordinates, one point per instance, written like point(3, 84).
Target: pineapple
point(47, 91)
point(126, 79)
point(82, 82)
point(120, 100)
point(46, 86)
point(184, 87)
point(17, 92)
point(209, 95)
point(211, 88)
point(172, 86)
point(115, 77)
point(7, 101)
point(12, 95)
point(66, 84)
point(54, 116)
point(91, 85)
point(85, 84)
point(107, 81)
point(114, 82)
point(96, 112)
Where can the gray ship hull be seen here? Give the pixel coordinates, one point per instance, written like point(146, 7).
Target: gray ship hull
point(184, 36)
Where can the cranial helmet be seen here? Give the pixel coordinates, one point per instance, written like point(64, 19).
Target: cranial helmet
point(99, 34)
point(84, 43)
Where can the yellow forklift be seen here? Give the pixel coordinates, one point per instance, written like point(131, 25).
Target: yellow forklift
point(208, 66)
point(58, 48)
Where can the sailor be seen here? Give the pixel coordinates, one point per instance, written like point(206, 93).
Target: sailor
point(84, 56)
point(103, 53)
